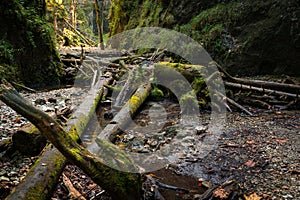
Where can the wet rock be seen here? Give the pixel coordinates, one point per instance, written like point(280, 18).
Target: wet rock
point(3, 178)
point(128, 137)
point(40, 101)
point(200, 129)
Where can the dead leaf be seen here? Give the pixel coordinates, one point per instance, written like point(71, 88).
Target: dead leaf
point(250, 142)
point(250, 163)
point(283, 140)
point(253, 196)
point(220, 193)
point(17, 120)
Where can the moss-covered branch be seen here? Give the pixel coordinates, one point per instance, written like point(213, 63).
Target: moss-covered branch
point(119, 185)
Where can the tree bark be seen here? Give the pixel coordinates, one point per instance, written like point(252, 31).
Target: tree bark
point(99, 24)
point(119, 185)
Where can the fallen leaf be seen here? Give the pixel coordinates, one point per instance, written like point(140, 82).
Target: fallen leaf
point(250, 163)
point(17, 120)
point(253, 196)
point(250, 142)
point(283, 140)
point(220, 193)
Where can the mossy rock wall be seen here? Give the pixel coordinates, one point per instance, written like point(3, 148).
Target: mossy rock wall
point(28, 51)
point(248, 37)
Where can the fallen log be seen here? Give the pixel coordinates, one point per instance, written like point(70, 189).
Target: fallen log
point(259, 83)
point(187, 70)
point(119, 185)
point(42, 178)
point(249, 87)
point(120, 121)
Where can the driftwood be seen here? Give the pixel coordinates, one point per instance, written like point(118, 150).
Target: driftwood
point(235, 104)
point(24, 87)
point(118, 184)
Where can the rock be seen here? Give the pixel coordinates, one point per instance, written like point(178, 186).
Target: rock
point(3, 178)
point(128, 137)
point(200, 129)
point(40, 101)
point(2, 172)
point(47, 108)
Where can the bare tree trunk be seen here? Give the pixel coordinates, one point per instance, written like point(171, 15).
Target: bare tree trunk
point(72, 13)
point(99, 24)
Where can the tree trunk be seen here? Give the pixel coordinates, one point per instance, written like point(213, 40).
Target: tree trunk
point(99, 24)
point(119, 185)
point(72, 13)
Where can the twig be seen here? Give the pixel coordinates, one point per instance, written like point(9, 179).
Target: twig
point(166, 186)
point(25, 88)
point(235, 104)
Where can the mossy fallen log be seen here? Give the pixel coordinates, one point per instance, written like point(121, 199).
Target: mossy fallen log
point(119, 185)
point(120, 121)
point(42, 178)
point(187, 70)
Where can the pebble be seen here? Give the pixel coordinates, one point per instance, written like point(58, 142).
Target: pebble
point(200, 129)
point(3, 178)
point(2, 172)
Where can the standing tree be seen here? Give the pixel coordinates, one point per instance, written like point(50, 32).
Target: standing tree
point(99, 24)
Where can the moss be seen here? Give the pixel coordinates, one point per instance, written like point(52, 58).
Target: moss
point(198, 84)
point(188, 102)
point(211, 28)
point(29, 45)
point(156, 94)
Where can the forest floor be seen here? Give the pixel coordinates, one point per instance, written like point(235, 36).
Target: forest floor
point(261, 153)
